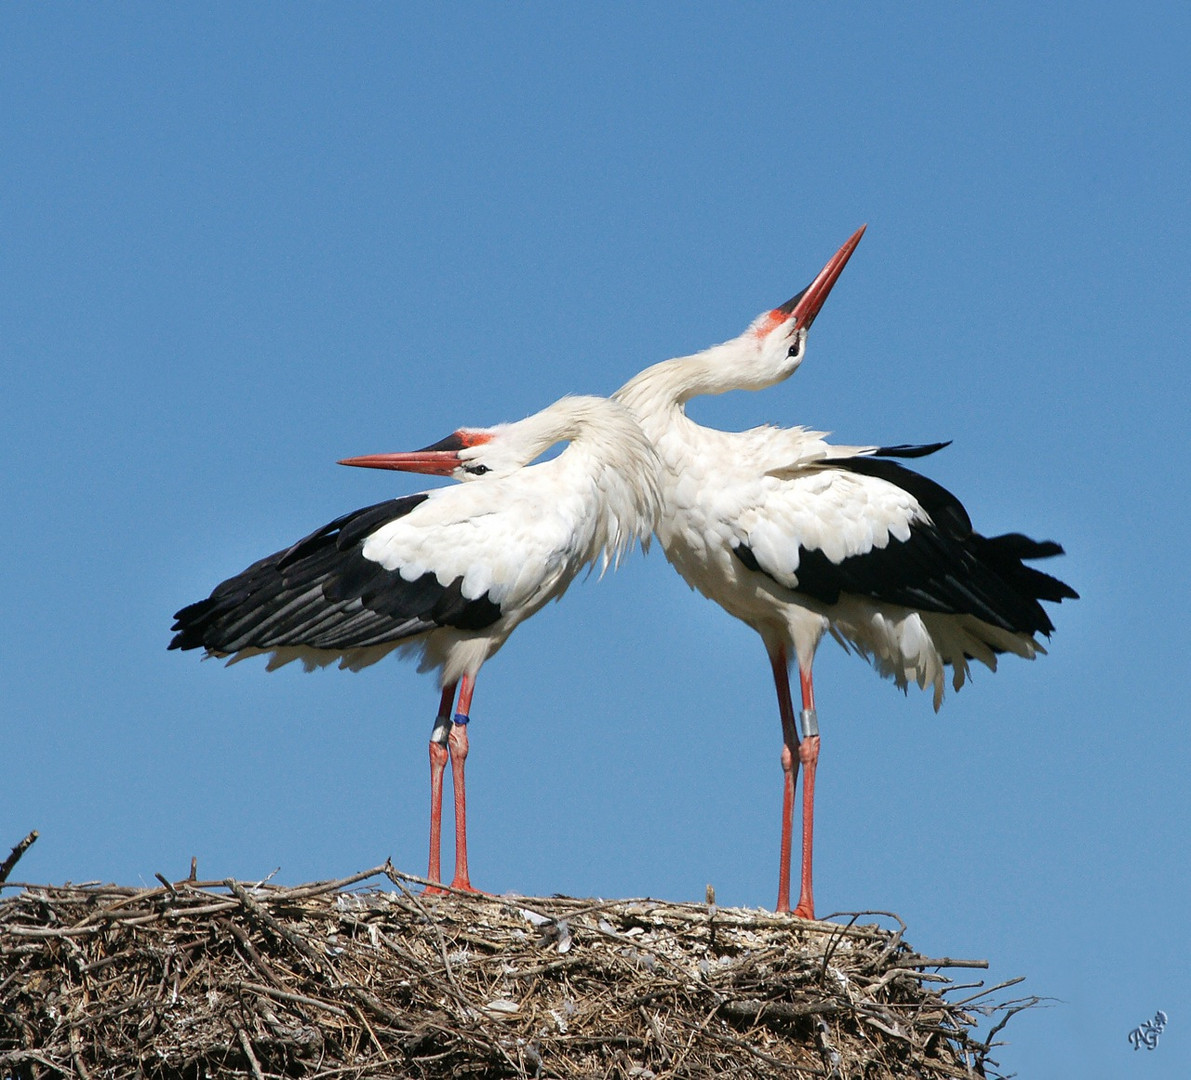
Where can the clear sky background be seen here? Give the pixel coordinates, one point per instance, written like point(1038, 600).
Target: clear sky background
point(239, 243)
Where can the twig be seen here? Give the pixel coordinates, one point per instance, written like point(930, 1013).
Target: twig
point(19, 1057)
point(296, 999)
point(990, 990)
point(246, 1043)
point(942, 961)
point(321, 887)
point(14, 856)
point(76, 1053)
point(833, 944)
point(1010, 1012)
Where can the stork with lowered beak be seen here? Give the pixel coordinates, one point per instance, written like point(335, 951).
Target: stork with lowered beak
point(449, 573)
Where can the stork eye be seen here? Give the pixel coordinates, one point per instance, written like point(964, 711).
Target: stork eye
point(476, 470)
point(793, 349)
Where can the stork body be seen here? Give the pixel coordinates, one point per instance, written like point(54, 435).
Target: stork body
point(446, 574)
point(799, 538)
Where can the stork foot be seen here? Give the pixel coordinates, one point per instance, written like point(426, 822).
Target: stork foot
point(463, 885)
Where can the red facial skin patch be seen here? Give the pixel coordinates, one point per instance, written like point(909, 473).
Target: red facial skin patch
point(773, 319)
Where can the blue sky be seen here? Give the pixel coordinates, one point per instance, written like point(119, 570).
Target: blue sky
point(242, 242)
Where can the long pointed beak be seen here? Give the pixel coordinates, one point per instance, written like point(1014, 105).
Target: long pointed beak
point(431, 462)
point(805, 306)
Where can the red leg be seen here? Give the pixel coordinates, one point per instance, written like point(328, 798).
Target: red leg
point(781, 680)
point(438, 763)
point(458, 745)
point(808, 755)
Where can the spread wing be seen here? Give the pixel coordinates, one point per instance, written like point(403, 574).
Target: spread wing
point(325, 592)
point(868, 526)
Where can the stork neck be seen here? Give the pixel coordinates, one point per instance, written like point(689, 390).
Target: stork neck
point(597, 433)
point(610, 462)
point(668, 386)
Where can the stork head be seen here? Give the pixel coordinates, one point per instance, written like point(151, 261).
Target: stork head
point(774, 344)
point(466, 454)
point(493, 452)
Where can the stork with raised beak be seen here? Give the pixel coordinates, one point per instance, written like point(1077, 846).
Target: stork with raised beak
point(798, 538)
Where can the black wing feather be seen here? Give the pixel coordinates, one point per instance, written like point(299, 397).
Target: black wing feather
point(910, 450)
point(323, 593)
point(942, 567)
point(944, 508)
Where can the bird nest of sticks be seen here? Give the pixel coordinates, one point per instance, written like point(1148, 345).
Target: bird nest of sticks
point(370, 976)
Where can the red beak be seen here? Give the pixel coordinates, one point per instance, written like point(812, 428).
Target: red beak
point(805, 306)
point(432, 462)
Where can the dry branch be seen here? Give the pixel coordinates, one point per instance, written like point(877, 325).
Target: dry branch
point(336, 979)
point(14, 856)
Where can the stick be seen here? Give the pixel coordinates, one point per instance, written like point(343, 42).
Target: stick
point(246, 1043)
point(297, 999)
point(14, 856)
point(942, 961)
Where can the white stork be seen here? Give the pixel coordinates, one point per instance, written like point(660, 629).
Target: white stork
point(446, 573)
point(797, 537)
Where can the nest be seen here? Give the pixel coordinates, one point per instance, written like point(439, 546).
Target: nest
point(342, 979)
